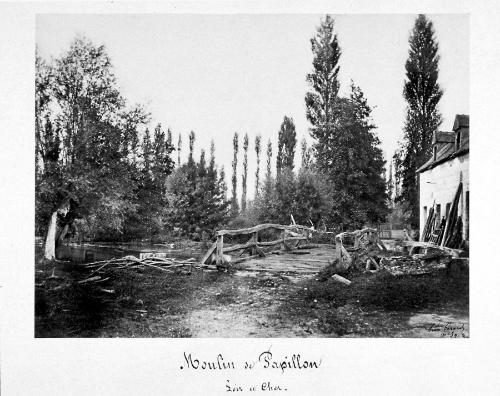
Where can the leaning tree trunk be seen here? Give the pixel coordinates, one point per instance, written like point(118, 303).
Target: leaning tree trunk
point(50, 240)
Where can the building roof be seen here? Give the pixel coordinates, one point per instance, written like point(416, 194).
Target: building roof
point(443, 137)
point(461, 121)
point(448, 150)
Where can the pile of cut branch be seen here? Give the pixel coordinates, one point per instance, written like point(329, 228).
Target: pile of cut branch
point(165, 264)
point(99, 271)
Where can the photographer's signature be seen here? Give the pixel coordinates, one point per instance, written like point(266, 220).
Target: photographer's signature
point(449, 329)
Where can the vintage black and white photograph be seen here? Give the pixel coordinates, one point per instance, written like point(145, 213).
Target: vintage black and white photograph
point(251, 175)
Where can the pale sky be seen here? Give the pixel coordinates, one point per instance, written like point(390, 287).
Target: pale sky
point(217, 74)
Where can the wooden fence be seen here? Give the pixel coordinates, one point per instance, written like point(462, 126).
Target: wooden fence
point(346, 242)
point(216, 253)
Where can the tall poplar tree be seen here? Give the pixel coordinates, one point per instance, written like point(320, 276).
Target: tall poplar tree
point(287, 140)
point(265, 202)
point(212, 156)
point(269, 155)
point(324, 83)
point(257, 171)
point(422, 94)
point(222, 183)
point(179, 145)
point(147, 152)
point(169, 138)
point(161, 163)
point(390, 186)
point(234, 198)
point(285, 177)
point(306, 160)
point(245, 174)
point(346, 150)
point(191, 164)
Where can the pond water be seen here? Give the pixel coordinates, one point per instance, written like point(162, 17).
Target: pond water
point(89, 252)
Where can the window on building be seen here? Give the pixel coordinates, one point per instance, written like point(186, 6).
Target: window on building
point(435, 152)
point(457, 140)
point(448, 205)
point(438, 215)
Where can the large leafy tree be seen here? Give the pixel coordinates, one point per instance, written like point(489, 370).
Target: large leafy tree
point(422, 94)
point(369, 169)
point(150, 218)
point(182, 191)
point(48, 170)
point(215, 213)
point(346, 150)
point(197, 204)
point(355, 166)
point(83, 142)
point(311, 195)
point(162, 163)
point(310, 198)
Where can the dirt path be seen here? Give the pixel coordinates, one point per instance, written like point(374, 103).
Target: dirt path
point(277, 304)
point(245, 306)
point(249, 303)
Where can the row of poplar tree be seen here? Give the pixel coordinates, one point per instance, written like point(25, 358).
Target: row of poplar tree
point(102, 174)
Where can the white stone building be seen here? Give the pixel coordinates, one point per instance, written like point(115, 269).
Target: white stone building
point(440, 176)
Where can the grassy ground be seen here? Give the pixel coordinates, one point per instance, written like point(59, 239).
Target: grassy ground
point(379, 305)
point(149, 303)
point(139, 298)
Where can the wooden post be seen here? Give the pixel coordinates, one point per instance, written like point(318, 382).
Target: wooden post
point(255, 237)
point(209, 254)
point(338, 244)
point(357, 241)
point(220, 247)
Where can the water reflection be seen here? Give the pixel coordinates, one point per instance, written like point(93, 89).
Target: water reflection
point(84, 253)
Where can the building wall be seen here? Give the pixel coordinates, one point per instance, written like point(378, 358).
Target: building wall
point(439, 185)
